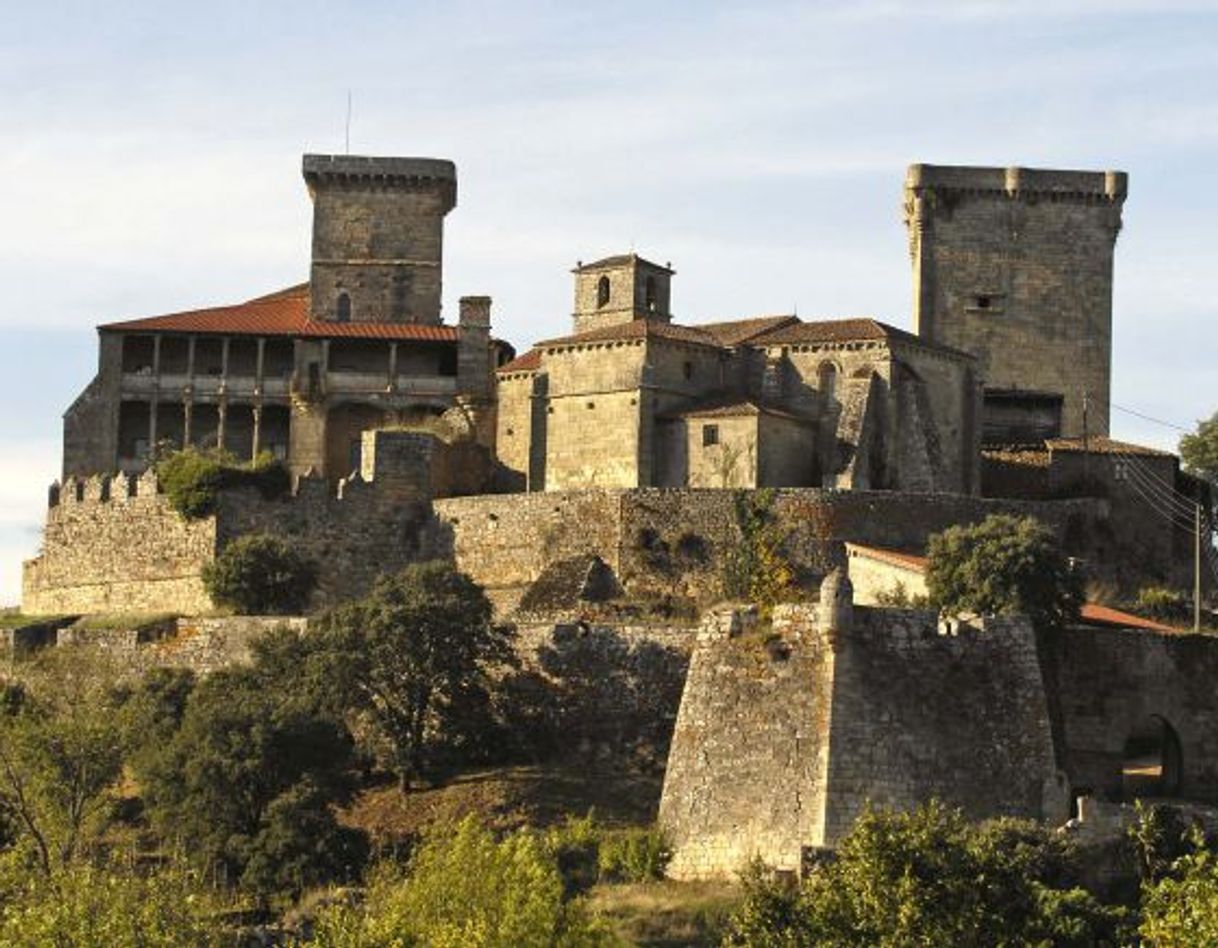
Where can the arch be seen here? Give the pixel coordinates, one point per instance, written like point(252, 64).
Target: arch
point(649, 294)
point(826, 379)
point(342, 308)
point(1152, 762)
point(602, 292)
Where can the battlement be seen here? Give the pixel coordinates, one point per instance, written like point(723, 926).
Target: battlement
point(361, 171)
point(1017, 182)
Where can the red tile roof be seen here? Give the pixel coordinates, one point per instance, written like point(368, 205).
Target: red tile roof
point(284, 313)
point(1091, 612)
point(735, 332)
point(635, 329)
point(529, 362)
point(729, 408)
point(1101, 445)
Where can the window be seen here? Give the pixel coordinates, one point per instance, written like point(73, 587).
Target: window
point(342, 309)
point(827, 380)
point(986, 302)
point(649, 294)
point(689, 370)
point(602, 292)
point(710, 435)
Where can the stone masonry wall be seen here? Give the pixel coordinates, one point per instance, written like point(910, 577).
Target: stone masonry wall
point(785, 734)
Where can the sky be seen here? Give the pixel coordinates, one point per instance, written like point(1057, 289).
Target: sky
point(150, 162)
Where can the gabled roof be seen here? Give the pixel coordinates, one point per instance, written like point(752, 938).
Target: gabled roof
point(730, 407)
point(1101, 445)
point(283, 313)
point(735, 332)
point(635, 329)
point(529, 362)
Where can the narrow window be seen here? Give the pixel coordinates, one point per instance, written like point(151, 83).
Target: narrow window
point(828, 380)
point(602, 291)
point(710, 435)
point(689, 370)
point(649, 294)
point(342, 309)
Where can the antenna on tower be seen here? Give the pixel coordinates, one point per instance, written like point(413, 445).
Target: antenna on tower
point(347, 135)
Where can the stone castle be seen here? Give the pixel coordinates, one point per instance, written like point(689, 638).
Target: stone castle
point(622, 451)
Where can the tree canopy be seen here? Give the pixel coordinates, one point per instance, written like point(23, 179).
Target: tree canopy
point(1199, 450)
point(1003, 565)
point(415, 656)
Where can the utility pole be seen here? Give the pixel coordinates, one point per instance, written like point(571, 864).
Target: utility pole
point(1197, 569)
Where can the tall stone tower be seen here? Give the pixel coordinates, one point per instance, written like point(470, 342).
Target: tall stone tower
point(1014, 265)
point(621, 289)
point(378, 236)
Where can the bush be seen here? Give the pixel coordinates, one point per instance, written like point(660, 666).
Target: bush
point(633, 855)
point(1181, 910)
point(260, 574)
point(193, 479)
point(462, 887)
point(1165, 604)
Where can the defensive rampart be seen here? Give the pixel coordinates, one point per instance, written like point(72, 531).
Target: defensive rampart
point(786, 732)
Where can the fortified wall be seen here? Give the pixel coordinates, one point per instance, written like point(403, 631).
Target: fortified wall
point(116, 544)
point(785, 732)
point(675, 541)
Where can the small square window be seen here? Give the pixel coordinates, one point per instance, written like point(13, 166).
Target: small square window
point(986, 302)
point(710, 435)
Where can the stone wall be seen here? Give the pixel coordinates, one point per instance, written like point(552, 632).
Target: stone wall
point(1111, 682)
point(785, 733)
point(674, 542)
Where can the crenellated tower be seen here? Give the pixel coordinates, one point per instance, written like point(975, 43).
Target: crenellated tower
point(378, 237)
point(1014, 266)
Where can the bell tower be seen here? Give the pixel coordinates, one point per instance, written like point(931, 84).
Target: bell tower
point(378, 237)
point(621, 289)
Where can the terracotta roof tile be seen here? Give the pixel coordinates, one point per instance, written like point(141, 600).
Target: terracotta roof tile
point(735, 332)
point(908, 561)
point(285, 313)
point(1102, 445)
point(728, 408)
point(529, 362)
point(635, 329)
point(618, 260)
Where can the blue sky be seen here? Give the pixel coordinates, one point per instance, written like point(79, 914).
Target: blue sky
point(149, 161)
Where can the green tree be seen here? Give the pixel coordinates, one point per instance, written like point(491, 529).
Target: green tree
point(260, 574)
point(86, 906)
point(61, 753)
point(461, 888)
point(1181, 909)
point(250, 779)
point(930, 878)
point(1003, 565)
point(415, 656)
point(1199, 450)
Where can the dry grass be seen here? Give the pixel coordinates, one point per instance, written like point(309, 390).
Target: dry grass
point(667, 914)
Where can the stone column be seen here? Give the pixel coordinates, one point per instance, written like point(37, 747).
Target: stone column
point(190, 357)
point(224, 361)
point(258, 365)
point(221, 415)
point(156, 357)
point(393, 366)
point(152, 407)
point(257, 410)
point(187, 411)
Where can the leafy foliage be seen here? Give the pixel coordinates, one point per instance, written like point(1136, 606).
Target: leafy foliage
point(929, 878)
point(415, 658)
point(61, 752)
point(588, 853)
point(1003, 565)
point(1199, 450)
point(99, 907)
point(260, 574)
point(192, 479)
point(250, 776)
point(463, 888)
point(1159, 602)
point(756, 570)
point(1181, 909)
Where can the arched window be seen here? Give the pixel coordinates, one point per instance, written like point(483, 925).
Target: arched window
point(827, 380)
point(602, 291)
point(649, 294)
point(1152, 761)
point(342, 309)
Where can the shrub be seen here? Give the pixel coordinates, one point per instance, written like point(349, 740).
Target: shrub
point(193, 479)
point(260, 574)
point(1181, 909)
point(462, 887)
point(757, 569)
point(1159, 602)
point(633, 855)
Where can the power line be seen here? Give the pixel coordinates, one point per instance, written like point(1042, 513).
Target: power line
point(1145, 417)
